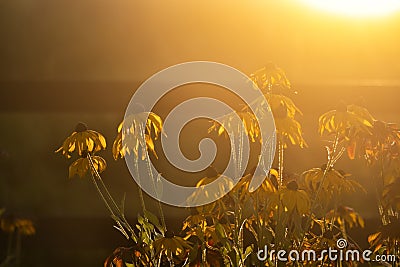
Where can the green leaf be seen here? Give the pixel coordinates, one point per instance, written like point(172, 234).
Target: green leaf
point(122, 205)
point(247, 252)
point(153, 219)
point(122, 230)
point(140, 219)
point(220, 230)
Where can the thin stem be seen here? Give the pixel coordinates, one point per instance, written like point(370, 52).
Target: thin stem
point(141, 198)
point(171, 260)
point(280, 161)
point(150, 172)
point(241, 241)
point(115, 211)
point(160, 210)
point(331, 160)
point(159, 261)
point(384, 218)
point(10, 242)
point(258, 222)
point(7, 261)
point(9, 255)
point(240, 152)
point(102, 196)
point(105, 189)
point(234, 156)
point(204, 253)
point(18, 247)
point(113, 215)
point(240, 156)
point(236, 208)
point(236, 233)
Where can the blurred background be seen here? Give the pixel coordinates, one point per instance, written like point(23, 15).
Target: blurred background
point(68, 61)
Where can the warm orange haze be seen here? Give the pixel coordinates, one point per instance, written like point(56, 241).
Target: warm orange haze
point(308, 145)
point(357, 8)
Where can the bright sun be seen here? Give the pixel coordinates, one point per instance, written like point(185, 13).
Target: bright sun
point(359, 8)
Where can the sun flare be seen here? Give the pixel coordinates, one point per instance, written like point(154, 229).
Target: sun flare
point(357, 8)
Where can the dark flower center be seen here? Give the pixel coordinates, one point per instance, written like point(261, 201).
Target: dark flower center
point(223, 220)
point(169, 234)
point(292, 185)
point(81, 127)
point(323, 167)
point(84, 154)
point(341, 210)
point(379, 126)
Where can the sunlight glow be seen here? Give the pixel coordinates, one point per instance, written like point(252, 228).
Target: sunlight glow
point(357, 8)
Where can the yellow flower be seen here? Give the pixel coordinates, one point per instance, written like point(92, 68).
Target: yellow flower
point(195, 220)
point(223, 185)
point(269, 78)
point(196, 225)
point(384, 139)
point(266, 189)
point(347, 215)
point(130, 138)
point(334, 182)
point(82, 140)
point(284, 111)
point(294, 199)
point(344, 118)
point(25, 226)
point(282, 106)
point(10, 224)
point(82, 166)
point(290, 131)
point(124, 257)
point(230, 125)
point(171, 246)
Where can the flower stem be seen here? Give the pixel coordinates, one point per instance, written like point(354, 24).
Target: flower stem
point(141, 198)
point(10, 243)
point(280, 161)
point(150, 172)
point(331, 160)
point(115, 211)
point(160, 210)
point(18, 246)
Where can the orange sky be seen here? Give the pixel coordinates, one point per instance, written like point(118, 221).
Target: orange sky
point(121, 40)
